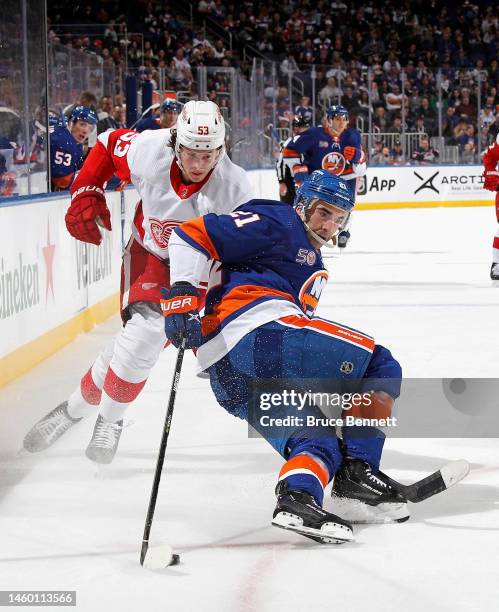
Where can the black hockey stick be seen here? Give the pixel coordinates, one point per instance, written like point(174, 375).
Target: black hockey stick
point(161, 556)
point(447, 476)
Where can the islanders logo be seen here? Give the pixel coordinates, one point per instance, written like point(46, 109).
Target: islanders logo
point(334, 163)
point(311, 290)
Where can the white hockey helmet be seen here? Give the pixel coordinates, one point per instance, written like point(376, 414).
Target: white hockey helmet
point(200, 126)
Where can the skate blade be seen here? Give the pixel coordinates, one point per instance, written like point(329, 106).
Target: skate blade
point(329, 533)
point(359, 513)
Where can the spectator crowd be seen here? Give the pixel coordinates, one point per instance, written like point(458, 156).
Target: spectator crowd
point(426, 68)
point(395, 59)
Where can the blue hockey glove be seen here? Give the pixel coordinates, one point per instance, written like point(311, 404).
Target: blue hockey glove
point(180, 309)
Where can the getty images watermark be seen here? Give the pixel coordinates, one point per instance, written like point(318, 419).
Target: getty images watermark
point(291, 400)
point(426, 407)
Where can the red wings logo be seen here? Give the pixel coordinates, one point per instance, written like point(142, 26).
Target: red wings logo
point(334, 163)
point(162, 230)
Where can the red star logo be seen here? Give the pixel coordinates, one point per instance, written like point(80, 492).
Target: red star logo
point(48, 255)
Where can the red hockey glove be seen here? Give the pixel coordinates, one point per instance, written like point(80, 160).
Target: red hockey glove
point(88, 206)
point(491, 180)
point(349, 152)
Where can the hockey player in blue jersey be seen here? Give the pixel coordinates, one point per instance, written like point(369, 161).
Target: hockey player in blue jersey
point(66, 145)
point(169, 111)
point(287, 188)
point(266, 279)
point(337, 149)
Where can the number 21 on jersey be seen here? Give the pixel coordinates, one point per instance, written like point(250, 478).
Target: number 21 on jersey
point(242, 218)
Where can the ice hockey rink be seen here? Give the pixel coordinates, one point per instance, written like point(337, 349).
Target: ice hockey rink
point(418, 280)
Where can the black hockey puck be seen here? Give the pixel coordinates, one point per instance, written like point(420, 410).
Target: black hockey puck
point(175, 559)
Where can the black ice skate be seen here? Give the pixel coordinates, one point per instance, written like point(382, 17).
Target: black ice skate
point(49, 429)
point(494, 272)
point(343, 238)
point(104, 443)
point(299, 512)
point(363, 497)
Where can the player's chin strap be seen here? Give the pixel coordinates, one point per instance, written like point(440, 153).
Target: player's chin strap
point(327, 243)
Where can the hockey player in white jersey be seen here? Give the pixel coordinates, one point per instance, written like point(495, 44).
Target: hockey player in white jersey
point(179, 174)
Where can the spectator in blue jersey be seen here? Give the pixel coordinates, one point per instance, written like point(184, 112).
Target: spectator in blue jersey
point(304, 109)
point(336, 148)
point(66, 145)
point(169, 111)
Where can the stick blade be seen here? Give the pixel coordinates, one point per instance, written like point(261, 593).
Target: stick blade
point(439, 481)
point(454, 472)
point(159, 557)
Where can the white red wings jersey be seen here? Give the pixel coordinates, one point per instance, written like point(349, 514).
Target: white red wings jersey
point(147, 160)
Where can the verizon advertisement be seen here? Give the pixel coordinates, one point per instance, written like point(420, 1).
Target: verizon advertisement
point(46, 276)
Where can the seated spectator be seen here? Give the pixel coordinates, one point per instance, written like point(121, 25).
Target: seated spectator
point(380, 119)
point(470, 135)
point(468, 154)
point(350, 100)
point(461, 132)
point(86, 98)
point(330, 93)
point(414, 100)
point(377, 149)
point(289, 65)
point(425, 154)
point(206, 6)
point(487, 117)
point(419, 125)
point(382, 155)
point(113, 121)
point(218, 11)
point(283, 101)
point(429, 115)
point(105, 107)
point(396, 127)
point(305, 109)
point(364, 104)
point(181, 74)
point(391, 63)
point(219, 49)
point(397, 157)
point(337, 71)
point(466, 108)
point(449, 122)
point(394, 99)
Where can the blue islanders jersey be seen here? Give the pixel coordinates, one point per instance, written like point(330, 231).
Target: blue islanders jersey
point(264, 269)
point(323, 151)
point(66, 156)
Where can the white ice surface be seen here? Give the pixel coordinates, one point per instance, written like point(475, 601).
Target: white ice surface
point(415, 279)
